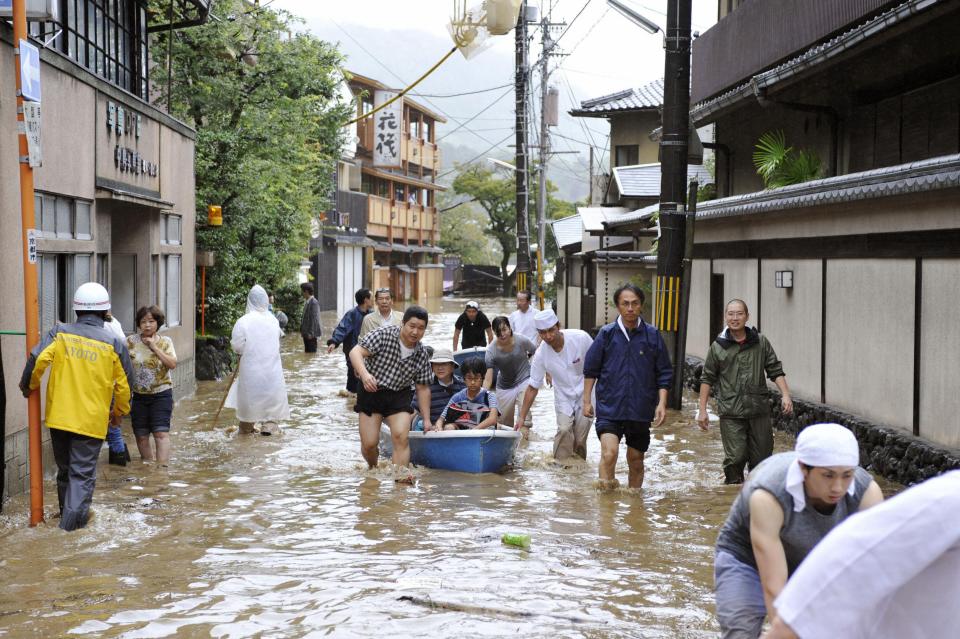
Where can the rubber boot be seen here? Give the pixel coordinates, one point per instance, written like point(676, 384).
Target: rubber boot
point(121, 458)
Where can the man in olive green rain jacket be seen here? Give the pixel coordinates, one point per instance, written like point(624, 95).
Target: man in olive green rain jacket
point(736, 364)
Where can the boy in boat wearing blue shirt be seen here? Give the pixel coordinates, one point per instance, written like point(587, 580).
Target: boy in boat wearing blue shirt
point(474, 406)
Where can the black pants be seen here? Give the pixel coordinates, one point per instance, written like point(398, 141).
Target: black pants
point(353, 382)
point(76, 457)
point(310, 344)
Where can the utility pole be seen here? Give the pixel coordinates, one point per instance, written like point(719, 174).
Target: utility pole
point(30, 290)
point(547, 45)
point(520, 95)
point(547, 120)
point(673, 180)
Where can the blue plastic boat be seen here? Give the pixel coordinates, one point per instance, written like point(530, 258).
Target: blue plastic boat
point(465, 451)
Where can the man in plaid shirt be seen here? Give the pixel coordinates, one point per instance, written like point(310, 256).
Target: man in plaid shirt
point(388, 362)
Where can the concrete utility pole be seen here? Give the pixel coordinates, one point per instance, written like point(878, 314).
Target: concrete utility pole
point(547, 44)
point(520, 94)
point(548, 114)
point(673, 180)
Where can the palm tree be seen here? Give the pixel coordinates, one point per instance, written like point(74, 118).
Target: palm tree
point(781, 165)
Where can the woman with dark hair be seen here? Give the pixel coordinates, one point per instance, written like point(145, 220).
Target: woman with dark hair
point(153, 358)
point(510, 354)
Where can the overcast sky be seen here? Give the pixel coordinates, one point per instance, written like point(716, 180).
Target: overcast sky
point(395, 41)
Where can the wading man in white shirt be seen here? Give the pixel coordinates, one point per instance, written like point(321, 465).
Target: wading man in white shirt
point(560, 355)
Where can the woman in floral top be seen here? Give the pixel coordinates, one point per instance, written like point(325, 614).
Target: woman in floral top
point(153, 358)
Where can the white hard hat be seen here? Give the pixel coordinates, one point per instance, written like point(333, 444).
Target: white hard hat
point(91, 297)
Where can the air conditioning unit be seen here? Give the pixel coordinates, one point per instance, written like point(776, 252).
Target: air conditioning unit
point(37, 10)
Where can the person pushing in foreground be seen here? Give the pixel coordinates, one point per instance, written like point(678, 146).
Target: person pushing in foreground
point(389, 361)
point(629, 365)
point(89, 385)
point(890, 573)
point(788, 504)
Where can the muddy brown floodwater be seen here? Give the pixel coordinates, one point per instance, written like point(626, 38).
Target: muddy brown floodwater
point(291, 536)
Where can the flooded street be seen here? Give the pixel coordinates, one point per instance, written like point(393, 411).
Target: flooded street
point(291, 536)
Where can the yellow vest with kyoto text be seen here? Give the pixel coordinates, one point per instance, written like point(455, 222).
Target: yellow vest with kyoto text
point(86, 377)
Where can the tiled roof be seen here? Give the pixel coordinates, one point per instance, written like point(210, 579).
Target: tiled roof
point(649, 96)
point(594, 217)
point(915, 177)
point(643, 180)
point(567, 231)
point(644, 214)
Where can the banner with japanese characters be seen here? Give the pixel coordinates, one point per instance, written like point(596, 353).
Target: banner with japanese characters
point(387, 127)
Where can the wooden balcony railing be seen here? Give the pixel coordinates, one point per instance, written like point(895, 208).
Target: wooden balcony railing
point(402, 222)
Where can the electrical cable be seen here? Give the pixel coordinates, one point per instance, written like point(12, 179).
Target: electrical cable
point(388, 70)
point(476, 157)
point(404, 92)
point(457, 95)
point(480, 112)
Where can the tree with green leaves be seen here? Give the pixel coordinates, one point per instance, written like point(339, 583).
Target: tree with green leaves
point(497, 197)
point(269, 123)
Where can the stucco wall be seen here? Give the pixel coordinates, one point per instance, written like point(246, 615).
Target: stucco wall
point(792, 322)
point(940, 352)
point(740, 281)
point(698, 326)
point(177, 185)
point(869, 341)
point(11, 248)
point(635, 128)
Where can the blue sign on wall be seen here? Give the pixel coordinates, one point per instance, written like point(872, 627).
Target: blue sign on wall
point(6, 5)
point(29, 71)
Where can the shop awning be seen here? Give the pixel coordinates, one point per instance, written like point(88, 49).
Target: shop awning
point(403, 268)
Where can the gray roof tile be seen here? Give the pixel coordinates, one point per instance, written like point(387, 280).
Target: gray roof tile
point(649, 96)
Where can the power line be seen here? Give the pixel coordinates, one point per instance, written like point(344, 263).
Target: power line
point(388, 70)
point(457, 95)
point(476, 157)
point(480, 112)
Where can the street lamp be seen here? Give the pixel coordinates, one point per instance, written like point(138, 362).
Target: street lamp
point(634, 17)
point(502, 164)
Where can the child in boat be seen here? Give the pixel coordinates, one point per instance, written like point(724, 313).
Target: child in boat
point(474, 406)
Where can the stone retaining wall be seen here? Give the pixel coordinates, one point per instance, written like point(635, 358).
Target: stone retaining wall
point(889, 452)
point(214, 358)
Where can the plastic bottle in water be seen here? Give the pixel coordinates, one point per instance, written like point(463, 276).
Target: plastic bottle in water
point(521, 540)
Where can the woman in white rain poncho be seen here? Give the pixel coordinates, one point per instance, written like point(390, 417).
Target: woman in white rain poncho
point(259, 393)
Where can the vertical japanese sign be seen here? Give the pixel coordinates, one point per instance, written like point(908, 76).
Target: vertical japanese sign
point(31, 126)
point(387, 125)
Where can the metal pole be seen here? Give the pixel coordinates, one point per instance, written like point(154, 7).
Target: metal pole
point(673, 177)
point(203, 300)
point(686, 270)
point(30, 289)
point(544, 154)
point(520, 91)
